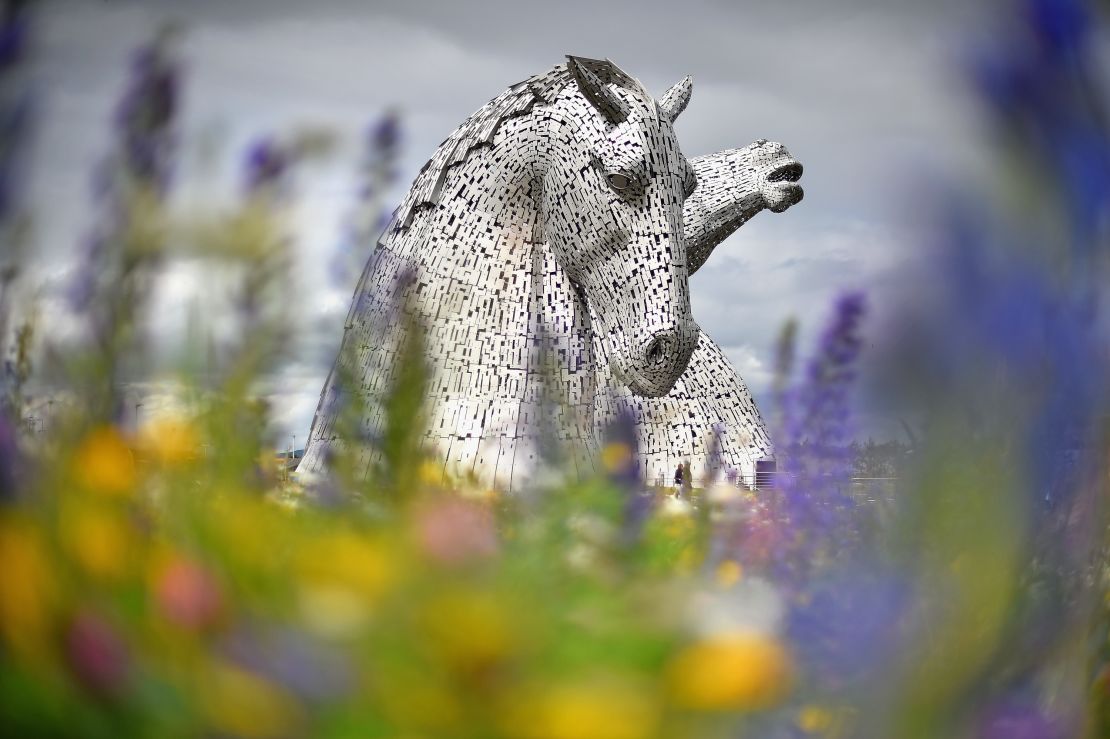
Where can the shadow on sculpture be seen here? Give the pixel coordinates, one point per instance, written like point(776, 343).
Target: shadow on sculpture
point(547, 244)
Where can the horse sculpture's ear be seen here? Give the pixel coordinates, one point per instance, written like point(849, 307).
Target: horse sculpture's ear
point(607, 102)
point(676, 99)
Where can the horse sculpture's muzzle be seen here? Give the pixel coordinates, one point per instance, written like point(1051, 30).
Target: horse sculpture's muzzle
point(780, 188)
point(657, 363)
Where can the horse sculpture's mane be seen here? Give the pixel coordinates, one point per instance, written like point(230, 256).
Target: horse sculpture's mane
point(479, 129)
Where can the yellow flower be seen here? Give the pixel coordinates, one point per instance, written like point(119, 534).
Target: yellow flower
point(729, 573)
point(431, 473)
point(741, 671)
point(99, 541)
point(26, 588)
point(349, 560)
point(103, 462)
point(814, 719)
point(615, 456)
point(241, 703)
point(471, 630)
point(607, 707)
point(420, 702)
point(170, 441)
point(342, 576)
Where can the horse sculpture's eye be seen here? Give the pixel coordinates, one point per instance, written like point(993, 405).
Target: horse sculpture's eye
point(619, 182)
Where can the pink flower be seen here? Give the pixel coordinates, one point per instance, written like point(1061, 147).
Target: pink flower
point(188, 594)
point(453, 531)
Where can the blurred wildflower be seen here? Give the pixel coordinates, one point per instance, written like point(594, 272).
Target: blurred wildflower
point(379, 172)
point(816, 443)
point(103, 463)
point(815, 719)
point(1014, 720)
point(616, 457)
point(170, 440)
point(271, 160)
point(453, 531)
point(590, 707)
point(28, 589)
point(186, 593)
point(469, 630)
point(304, 666)
point(340, 580)
point(146, 114)
point(846, 627)
point(110, 283)
point(100, 540)
point(97, 655)
point(728, 573)
point(243, 704)
point(13, 33)
point(10, 461)
point(743, 671)
point(266, 165)
point(16, 105)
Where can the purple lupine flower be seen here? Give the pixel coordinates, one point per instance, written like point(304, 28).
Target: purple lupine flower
point(369, 218)
point(16, 110)
point(816, 437)
point(1059, 25)
point(266, 165)
point(385, 134)
point(306, 667)
point(145, 116)
point(1043, 89)
point(848, 626)
point(1016, 719)
point(10, 460)
point(16, 118)
point(145, 145)
point(14, 30)
point(623, 469)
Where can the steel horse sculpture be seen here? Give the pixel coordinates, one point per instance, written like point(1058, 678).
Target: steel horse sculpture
point(548, 245)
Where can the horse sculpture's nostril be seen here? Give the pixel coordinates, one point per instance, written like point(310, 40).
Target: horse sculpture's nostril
point(655, 351)
point(791, 172)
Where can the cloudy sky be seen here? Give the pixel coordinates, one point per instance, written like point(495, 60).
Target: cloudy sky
point(864, 93)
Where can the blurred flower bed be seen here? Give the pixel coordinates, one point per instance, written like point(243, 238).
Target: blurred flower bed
point(171, 580)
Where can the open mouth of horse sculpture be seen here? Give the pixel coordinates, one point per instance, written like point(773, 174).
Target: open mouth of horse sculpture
point(547, 244)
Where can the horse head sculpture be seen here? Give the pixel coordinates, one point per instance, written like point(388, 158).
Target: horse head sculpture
point(547, 243)
point(612, 215)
